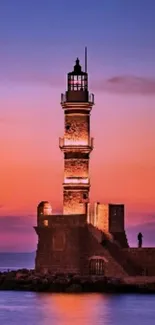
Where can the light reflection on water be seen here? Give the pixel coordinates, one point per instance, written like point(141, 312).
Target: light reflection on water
point(77, 309)
point(26, 308)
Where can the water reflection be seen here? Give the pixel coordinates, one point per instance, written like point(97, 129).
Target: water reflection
point(76, 309)
point(30, 308)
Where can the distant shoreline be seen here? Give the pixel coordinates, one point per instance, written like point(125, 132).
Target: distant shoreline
point(29, 280)
point(16, 260)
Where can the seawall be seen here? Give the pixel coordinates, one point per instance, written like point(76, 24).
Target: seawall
point(29, 280)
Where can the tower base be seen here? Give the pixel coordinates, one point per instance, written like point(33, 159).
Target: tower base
point(68, 245)
point(59, 245)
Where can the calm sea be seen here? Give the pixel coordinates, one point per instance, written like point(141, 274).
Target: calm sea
point(29, 308)
point(14, 261)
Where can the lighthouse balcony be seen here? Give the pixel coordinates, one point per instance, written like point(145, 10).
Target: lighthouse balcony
point(76, 181)
point(76, 145)
point(80, 96)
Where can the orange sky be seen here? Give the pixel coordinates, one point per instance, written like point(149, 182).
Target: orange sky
point(122, 163)
point(122, 166)
point(38, 47)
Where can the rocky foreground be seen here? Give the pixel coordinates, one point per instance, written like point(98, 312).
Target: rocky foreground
point(29, 280)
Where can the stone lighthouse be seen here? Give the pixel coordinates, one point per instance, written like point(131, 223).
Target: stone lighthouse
point(71, 242)
point(76, 144)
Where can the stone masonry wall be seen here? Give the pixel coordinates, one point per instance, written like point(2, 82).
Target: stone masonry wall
point(102, 221)
point(110, 218)
point(77, 127)
point(145, 257)
point(116, 218)
point(91, 247)
point(66, 249)
point(58, 251)
point(72, 201)
point(76, 167)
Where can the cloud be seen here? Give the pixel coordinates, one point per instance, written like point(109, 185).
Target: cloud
point(116, 84)
point(17, 234)
point(15, 224)
point(119, 84)
point(32, 77)
point(127, 85)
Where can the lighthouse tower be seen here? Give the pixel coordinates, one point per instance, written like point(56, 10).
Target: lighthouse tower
point(76, 144)
point(69, 243)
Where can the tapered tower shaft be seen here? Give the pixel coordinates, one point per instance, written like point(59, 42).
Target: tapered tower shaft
point(76, 143)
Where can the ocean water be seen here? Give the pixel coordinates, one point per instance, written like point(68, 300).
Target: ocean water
point(31, 308)
point(14, 261)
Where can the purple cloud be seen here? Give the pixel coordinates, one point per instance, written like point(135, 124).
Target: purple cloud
point(32, 77)
point(127, 85)
point(17, 234)
point(123, 84)
point(13, 223)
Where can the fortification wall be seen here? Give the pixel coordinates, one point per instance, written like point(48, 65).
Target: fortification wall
point(145, 257)
point(58, 250)
point(68, 247)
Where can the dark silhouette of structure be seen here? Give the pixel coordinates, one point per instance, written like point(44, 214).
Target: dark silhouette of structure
point(82, 240)
point(140, 239)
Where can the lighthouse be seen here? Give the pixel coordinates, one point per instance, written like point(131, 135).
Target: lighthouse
point(76, 143)
point(70, 242)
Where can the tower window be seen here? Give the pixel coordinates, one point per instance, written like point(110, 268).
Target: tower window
point(96, 267)
point(67, 127)
point(85, 196)
point(46, 223)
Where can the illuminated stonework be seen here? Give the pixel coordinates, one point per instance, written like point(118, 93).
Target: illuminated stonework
point(75, 180)
point(44, 208)
point(109, 217)
point(101, 214)
point(76, 143)
point(71, 142)
point(46, 223)
point(78, 241)
point(78, 167)
point(47, 211)
point(77, 127)
point(73, 202)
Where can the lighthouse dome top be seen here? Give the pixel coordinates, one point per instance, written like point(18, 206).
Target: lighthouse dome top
point(77, 69)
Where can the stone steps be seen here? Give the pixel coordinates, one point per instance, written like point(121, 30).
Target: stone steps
point(115, 253)
point(112, 267)
point(123, 259)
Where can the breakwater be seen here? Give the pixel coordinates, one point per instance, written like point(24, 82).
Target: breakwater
point(29, 280)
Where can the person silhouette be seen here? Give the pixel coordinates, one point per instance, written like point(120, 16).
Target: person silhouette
point(140, 239)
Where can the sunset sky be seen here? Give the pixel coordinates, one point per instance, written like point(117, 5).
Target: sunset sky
point(39, 42)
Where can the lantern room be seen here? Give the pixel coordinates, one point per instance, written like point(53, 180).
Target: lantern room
point(77, 79)
point(77, 85)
